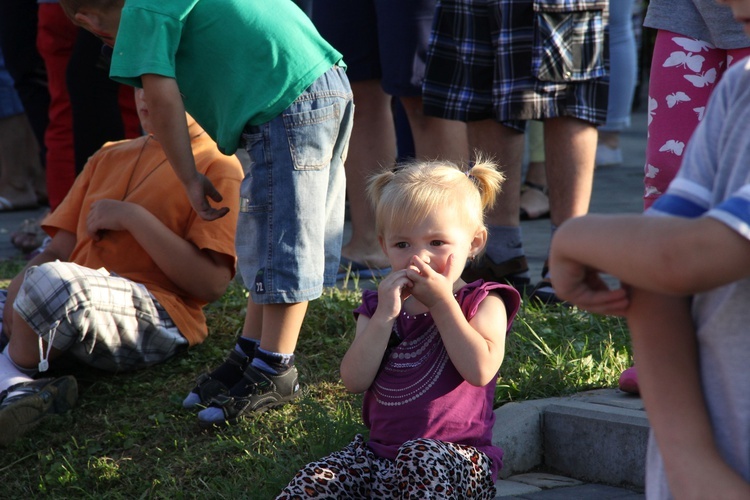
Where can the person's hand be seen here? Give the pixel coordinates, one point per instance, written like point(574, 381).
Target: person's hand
point(108, 215)
point(430, 287)
point(392, 291)
point(199, 189)
point(584, 287)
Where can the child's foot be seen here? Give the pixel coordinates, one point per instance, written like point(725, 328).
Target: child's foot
point(629, 381)
point(219, 381)
point(24, 405)
point(257, 391)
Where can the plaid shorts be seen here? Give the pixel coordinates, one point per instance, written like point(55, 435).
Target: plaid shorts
point(518, 60)
point(102, 319)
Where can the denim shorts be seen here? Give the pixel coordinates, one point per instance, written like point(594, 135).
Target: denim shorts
point(291, 220)
point(382, 40)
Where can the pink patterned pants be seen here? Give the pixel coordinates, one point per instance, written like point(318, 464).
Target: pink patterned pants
point(684, 72)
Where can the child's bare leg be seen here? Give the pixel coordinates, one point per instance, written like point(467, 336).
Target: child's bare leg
point(24, 345)
point(281, 326)
point(225, 376)
point(270, 379)
point(24, 402)
point(19, 361)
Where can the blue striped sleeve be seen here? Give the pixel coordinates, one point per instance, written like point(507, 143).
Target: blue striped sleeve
point(684, 198)
point(735, 211)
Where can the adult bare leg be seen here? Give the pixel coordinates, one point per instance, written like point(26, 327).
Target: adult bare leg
point(570, 146)
point(372, 146)
point(436, 138)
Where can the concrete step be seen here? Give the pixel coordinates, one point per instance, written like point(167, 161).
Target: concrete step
point(595, 437)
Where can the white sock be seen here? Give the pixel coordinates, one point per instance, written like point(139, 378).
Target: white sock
point(10, 373)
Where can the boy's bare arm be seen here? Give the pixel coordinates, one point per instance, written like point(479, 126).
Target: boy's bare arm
point(671, 255)
point(666, 356)
point(167, 113)
point(201, 274)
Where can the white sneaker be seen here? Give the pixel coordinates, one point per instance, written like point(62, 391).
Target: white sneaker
point(607, 156)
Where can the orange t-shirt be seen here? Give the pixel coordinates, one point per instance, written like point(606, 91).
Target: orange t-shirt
point(138, 171)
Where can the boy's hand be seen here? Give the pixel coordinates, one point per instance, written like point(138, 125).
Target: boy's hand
point(392, 291)
point(584, 287)
point(430, 287)
point(108, 215)
point(199, 189)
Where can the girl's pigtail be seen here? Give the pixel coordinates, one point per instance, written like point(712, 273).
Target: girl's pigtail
point(488, 179)
point(377, 184)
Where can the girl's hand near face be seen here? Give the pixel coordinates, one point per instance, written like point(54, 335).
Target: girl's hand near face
point(362, 360)
point(430, 287)
point(391, 293)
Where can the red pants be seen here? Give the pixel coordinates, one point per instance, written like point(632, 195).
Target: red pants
point(55, 38)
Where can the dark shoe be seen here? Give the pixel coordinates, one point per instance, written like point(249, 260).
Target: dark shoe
point(543, 292)
point(24, 405)
point(505, 272)
point(207, 387)
point(256, 392)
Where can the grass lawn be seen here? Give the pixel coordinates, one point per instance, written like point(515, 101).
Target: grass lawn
point(129, 437)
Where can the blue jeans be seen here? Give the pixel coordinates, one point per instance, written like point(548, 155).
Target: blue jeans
point(291, 219)
point(623, 66)
point(10, 104)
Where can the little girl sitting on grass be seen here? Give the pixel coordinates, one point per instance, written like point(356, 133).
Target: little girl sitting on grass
point(428, 346)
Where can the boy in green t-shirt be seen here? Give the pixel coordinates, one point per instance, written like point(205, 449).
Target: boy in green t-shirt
point(254, 74)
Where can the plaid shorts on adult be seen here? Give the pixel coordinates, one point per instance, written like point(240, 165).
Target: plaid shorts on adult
point(517, 60)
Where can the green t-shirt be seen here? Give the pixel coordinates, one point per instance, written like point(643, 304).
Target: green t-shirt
point(235, 61)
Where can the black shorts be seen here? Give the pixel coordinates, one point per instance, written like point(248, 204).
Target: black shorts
point(382, 40)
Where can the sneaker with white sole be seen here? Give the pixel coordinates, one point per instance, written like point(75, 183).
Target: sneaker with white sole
point(24, 405)
point(257, 391)
point(208, 385)
point(607, 156)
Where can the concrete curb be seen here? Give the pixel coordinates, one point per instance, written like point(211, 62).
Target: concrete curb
point(597, 436)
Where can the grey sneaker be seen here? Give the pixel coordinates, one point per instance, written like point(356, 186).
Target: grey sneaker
point(208, 387)
point(24, 405)
point(256, 392)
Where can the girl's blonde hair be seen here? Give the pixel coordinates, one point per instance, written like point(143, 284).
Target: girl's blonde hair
point(408, 194)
